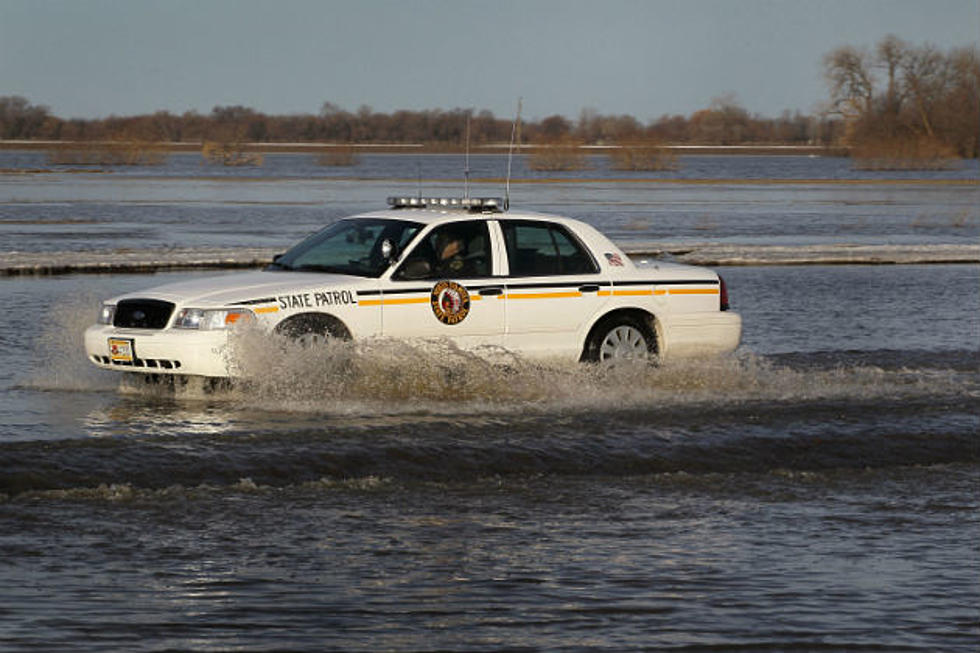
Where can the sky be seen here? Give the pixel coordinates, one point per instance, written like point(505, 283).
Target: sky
point(645, 58)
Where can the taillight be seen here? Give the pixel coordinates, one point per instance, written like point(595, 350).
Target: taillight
point(724, 294)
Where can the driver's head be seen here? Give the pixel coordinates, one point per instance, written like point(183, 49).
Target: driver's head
point(449, 245)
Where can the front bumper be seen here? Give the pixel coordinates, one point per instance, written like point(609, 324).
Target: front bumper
point(166, 351)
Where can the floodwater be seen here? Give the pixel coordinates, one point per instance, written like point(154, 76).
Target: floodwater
point(813, 201)
point(816, 491)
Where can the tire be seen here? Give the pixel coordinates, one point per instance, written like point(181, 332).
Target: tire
point(621, 338)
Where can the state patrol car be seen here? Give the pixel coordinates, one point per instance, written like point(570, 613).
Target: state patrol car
point(464, 269)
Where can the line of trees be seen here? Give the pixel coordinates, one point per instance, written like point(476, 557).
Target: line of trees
point(722, 123)
point(897, 92)
point(907, 96)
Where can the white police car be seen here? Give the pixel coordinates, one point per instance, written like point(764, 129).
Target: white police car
point(463, 269)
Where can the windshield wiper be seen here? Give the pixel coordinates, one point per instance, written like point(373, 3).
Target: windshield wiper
point(324, 268)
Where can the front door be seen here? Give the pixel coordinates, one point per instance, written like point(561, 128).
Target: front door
point(444, 288)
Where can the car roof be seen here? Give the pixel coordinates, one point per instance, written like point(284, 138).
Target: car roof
point(438, 215)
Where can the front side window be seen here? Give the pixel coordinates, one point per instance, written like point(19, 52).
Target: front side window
point(349, 247)
point(543, 249)
point(457, 250)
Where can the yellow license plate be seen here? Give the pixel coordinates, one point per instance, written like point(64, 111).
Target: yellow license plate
point(121, 350)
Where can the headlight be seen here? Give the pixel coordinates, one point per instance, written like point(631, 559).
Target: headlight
point(107, 313)
point(207, 319)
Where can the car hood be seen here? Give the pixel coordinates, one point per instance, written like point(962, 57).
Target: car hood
point(249, 287)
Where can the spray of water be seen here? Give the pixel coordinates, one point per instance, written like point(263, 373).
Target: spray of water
point(58, 357)
point(435, 377)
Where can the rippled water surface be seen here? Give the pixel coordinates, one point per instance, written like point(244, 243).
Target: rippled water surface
point(783, 200)
point(816, 491)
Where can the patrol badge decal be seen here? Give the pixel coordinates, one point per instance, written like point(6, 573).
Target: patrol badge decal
point(450, 302)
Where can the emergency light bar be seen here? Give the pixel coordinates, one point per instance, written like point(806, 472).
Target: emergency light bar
point(475, 204)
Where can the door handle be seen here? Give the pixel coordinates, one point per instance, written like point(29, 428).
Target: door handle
point(589, 287)
point(490, 292)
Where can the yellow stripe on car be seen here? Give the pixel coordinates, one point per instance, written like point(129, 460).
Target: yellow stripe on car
point(392, 301)
point(543, 295)
point(694, 291)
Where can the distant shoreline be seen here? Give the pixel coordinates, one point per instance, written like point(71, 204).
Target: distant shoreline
point(722, 181)
point(134, 261)
point(442, 148)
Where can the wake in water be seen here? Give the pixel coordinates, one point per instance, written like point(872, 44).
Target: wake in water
point(423, 379)
point(393, 377)
point(428, 411)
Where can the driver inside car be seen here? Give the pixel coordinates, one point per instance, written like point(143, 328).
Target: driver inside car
point(449, 248)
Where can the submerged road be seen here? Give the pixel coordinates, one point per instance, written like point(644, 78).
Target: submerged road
point(153, 260)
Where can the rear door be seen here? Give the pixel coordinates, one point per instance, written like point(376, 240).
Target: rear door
point(554, 287)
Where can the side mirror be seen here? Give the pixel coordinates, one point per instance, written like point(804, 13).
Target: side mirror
point(275, 264)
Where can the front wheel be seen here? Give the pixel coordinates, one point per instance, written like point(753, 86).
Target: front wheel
point(621, 338)
point(315, 337)
point(312, 331)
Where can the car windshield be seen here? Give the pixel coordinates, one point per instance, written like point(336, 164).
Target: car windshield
point(351, 246)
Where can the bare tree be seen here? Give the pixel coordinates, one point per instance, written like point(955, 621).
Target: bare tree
point(891, 54)
point(852, 88)
point(19, 118)
point(960, 113)
point(925, 76)
point(907, 99)
point(554, 128)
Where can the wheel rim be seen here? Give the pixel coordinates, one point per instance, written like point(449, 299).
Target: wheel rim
point(623, 343)
point(310, 339)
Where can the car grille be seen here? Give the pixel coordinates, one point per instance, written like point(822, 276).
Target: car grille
point(142, 313)
point(156, 363)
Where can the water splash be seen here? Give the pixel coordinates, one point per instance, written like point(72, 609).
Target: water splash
point(434, 377)
point(58, 356)
point(429, 411)
point(437, 377)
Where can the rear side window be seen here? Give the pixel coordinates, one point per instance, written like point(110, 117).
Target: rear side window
point(541, 248)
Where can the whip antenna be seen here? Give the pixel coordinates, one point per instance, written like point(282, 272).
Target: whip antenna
point(466, 165)
point(510, 152)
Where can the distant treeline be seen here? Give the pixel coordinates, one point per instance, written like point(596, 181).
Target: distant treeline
point(723, 123)
point(898, 93)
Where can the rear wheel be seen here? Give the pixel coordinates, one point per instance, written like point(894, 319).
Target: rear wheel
point(621, 338)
